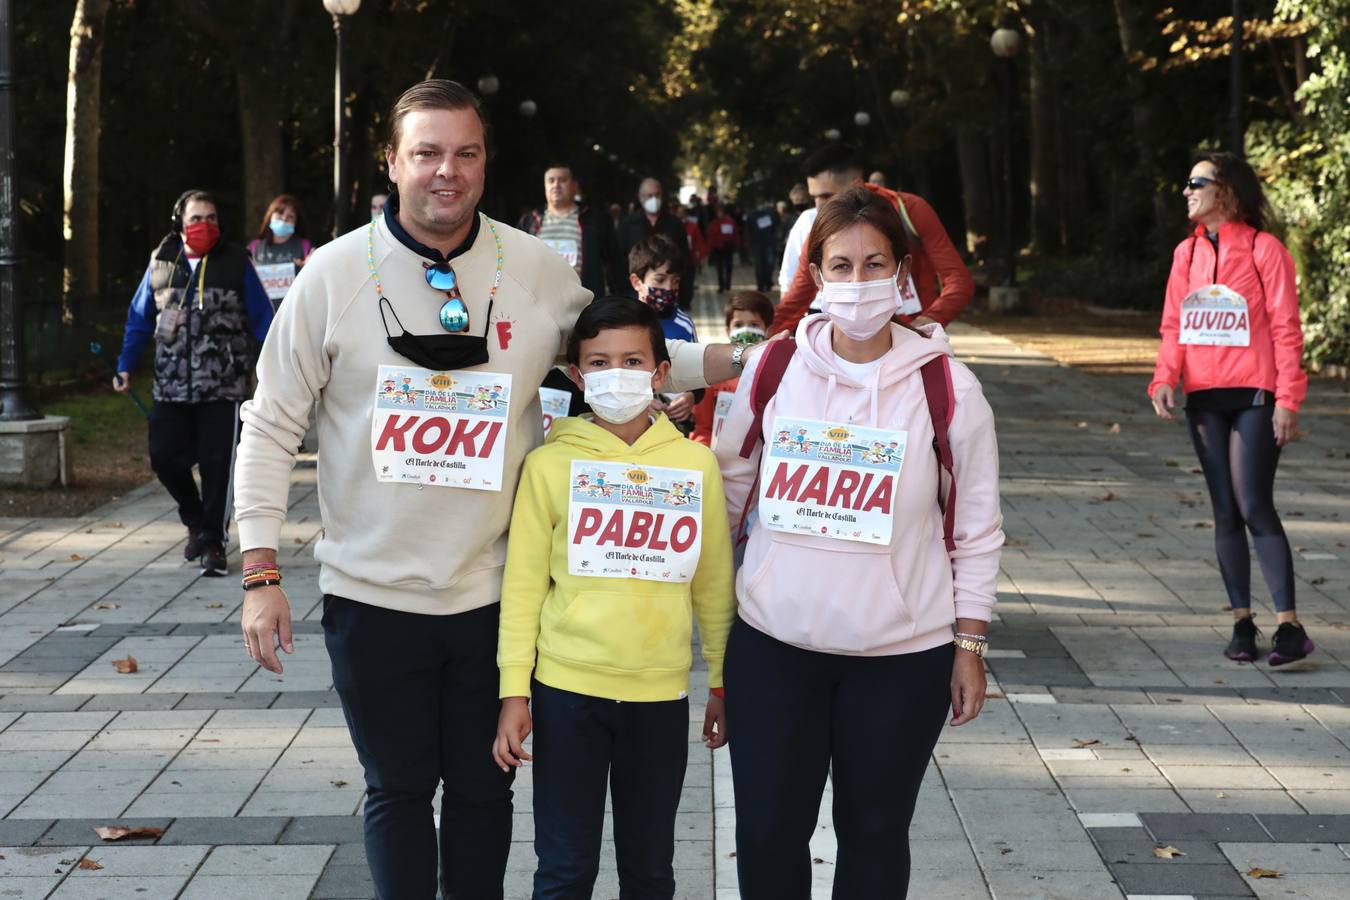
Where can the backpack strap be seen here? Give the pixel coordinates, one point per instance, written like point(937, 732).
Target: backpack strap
point(941, 396)
point(773, 363)
point(910, 231)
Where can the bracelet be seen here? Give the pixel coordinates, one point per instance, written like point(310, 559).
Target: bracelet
point(981, 638)
point(259, 567)
point(264, 582)
point(257, 576)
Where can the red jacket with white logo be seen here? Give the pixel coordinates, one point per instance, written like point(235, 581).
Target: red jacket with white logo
point(1256, 265)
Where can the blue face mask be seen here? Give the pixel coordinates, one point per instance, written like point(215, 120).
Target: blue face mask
point(281, 228)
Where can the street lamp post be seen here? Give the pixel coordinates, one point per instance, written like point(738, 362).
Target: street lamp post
point(338, 9)
point(15, 405)
point(1005, 43)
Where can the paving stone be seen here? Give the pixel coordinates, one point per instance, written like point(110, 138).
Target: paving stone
point(43, 702)
point(133, 701)
point(268, 860)
point(1024, 885)
point(22, 832)
point(1307, 828)
point(323, 830)
point(1197, 880)
point(148, 860)
point(259, 700)
point(1139, 851)
point(341, 882)
point(1291, 859)
point(249, 887)
point(1169, 827)
point(80, 832)
point(120, 887)
point(225, 830)
point(307, 700)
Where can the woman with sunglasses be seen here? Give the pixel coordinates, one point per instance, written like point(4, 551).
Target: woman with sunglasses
point(1231, 335)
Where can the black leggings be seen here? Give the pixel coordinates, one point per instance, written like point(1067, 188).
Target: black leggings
point(1238, 453)
point(795, 715)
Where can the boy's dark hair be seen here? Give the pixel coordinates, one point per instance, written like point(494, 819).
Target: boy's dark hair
point(652, 252)
point(835, 158)
point(751, 302)
point(616, 312)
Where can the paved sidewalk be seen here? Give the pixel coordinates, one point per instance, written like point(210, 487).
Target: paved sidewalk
point(1116, 726)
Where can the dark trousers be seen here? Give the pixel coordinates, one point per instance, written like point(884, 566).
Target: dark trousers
point(202, 434)
point(724, 259)
point(641, 749)
point(764, 268)
point(420, 697)
point(795, 715)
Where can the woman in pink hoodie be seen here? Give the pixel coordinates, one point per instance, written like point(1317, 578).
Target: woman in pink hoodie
point(1231, 335)
point(842, 658)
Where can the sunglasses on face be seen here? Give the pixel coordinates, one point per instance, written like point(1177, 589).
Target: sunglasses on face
point(454, 313)
point(1195, 182)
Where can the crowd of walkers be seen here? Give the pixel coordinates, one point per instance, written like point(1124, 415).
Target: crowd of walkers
point(539, 478)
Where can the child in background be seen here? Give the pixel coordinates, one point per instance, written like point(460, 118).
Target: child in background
point(631, 520)
point(654, 266)
point(748, 317)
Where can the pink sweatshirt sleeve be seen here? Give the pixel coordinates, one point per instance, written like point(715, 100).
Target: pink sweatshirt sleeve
point(979, 519)
point(1168, 368)
point(1286, 331)
point(738, 475)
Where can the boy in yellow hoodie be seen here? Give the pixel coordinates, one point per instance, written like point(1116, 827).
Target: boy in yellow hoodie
point(619, 534)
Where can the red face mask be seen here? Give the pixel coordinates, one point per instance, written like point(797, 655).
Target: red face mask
point(201, 237)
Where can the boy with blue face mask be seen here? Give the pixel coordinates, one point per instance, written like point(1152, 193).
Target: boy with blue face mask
point(631, 519)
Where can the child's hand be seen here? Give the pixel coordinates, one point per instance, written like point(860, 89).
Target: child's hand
point(715, 723)
point(681, 407)
point(513, 726)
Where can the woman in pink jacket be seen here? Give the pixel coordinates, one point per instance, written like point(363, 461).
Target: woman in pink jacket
point(1231, 334)
point(842, 657)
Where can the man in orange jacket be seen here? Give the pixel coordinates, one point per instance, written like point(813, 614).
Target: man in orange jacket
point(941, 279)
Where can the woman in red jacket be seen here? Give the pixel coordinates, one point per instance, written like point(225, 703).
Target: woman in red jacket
point(1231, 333)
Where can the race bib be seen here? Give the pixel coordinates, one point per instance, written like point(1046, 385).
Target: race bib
point(634, 521)
point(909, 298)
point(831, 480)
point(446, 429)
point(1215, 316)
point(728, 229)
point(720, 411)
point(555, 404)
point(276, 279)
point(566, 248)
point(764, 222)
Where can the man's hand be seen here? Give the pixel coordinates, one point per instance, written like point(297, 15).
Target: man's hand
point(968, 686)
point(266, 618)
point(122, 382)
point(513, 726)
point(1286, 426)
point(1164, 401)
point(715, 723)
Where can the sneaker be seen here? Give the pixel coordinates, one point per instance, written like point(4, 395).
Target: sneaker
point(193, 548)
point(1290, 644)
point(213, 560)
point(1243, 645)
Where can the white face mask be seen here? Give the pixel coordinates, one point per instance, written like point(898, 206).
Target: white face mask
point(618, 395)
point(652, 205)
point(860, 309)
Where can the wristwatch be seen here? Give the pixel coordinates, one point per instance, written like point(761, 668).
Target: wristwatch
point(976, 647)
point(738, 358)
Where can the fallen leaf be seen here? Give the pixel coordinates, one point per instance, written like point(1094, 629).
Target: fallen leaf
point(300, 541)
point(1107, 497)
point(1144, 534)
point(1258, 872)
point(1005, 850)
point(215, 606)
point(1318, 580)
point(107, 606)
point(115, 525)
point(90, 864)
point(339, 783)
point(817, 860)
point(1126, 769)
point(121, 832)
point(1221, 796)
point(208, 740)
point(1167, 852)
point(75, 557)
point(1114, 429)
point(1081, 425)
point(1080, 743)
point(126, 666)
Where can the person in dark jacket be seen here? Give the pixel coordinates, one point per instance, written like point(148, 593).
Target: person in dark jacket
point(651, 217)
point(202, 301)
point(582, 235)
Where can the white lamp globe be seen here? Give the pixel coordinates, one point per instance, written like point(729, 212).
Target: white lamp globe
point(1005, 42)
point(342, 7)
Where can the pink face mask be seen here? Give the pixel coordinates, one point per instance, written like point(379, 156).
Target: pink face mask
point(860, 309)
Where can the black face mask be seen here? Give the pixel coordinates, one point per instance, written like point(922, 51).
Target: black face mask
point(437, 352)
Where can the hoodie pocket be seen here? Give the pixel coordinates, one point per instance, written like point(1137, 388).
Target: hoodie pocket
point(626, 631)
point(834, 596)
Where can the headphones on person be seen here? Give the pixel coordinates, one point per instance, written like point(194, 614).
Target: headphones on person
point(179, 205)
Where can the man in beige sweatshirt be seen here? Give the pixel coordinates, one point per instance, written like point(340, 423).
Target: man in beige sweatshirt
point(423, 338)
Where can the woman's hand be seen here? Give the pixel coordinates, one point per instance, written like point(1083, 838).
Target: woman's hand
point(1164, 401)
point(715, 723)
point(968, 686)
point(513, 726)
point(681, 407)
point(1286, 426)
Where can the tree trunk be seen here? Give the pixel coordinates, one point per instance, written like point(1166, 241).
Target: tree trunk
point(260, 131)
point(80, 171)
point(976, 190)
point(1141, 110)
point(1045, 232)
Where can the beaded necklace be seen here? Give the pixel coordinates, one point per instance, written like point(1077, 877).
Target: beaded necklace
point(379, 286)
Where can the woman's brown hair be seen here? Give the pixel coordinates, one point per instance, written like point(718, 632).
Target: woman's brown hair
point(279, 202)
point(852, 207)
